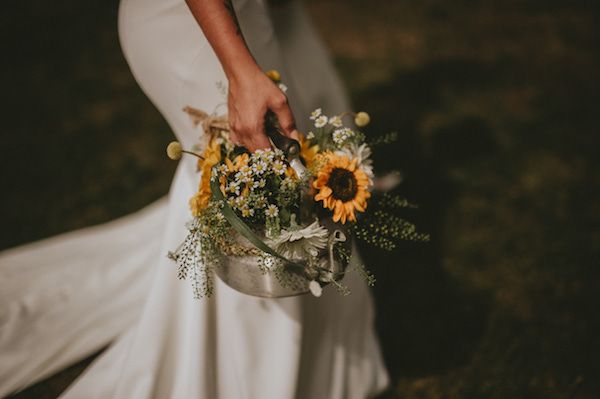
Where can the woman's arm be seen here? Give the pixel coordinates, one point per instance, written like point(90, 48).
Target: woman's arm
point(251, 92)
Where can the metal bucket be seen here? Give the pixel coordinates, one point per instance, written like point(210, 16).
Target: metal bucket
point(243, 273)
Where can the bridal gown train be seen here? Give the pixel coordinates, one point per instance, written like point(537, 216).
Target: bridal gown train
point(66, 297)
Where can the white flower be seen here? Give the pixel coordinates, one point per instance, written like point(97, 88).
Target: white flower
point(257, 155)
point(321, 121)
point(315, 114)
point(241, 202)
point(259, 184)
point(341, 135)
point(246, 170)
point(260, 202)
point(234, 188)
point(259, 167)
point(282, 87)
point(247, 212)
point(272, 211)
point(336, 121)
point(338, 136)
point(278, 167)
point(299, 243)
point(310, 135)
point(362, 153)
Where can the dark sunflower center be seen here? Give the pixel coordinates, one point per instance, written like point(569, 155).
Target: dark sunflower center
point(343, 184)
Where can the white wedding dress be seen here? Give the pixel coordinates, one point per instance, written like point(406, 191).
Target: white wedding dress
point(65, 297)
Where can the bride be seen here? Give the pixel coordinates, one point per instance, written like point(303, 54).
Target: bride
point(68, 296)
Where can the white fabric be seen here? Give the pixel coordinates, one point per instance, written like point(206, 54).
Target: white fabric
point(68, 296)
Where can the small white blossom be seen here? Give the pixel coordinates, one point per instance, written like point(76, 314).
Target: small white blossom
point(341, 135)
point(321, 121)
point(241, 202)
point(338, 136)
point(247, 212)
point(282, 87)
point(310, 135)
point(278, 167)
point(259, 167)
point(315, 114)
point(272, 211)
point(260, 202)
point(234, 188)
point(336, 121)
point(259, 183)
point(257, 155)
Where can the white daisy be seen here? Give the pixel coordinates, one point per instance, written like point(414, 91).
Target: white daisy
point(247, 212)
point(336, 121)
point(298, 243)
point(259, 167)
point(315, 114)
point(259, 183)
point(278, 167)
point(339, 136)
point(321, 121)
point(234, 188)
point(272, 211)
point(260, 202)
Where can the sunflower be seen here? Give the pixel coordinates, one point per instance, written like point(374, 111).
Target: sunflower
point(343, 187)
point(211, 156)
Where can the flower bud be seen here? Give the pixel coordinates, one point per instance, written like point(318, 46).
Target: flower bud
point(174, 150)
point(274, 75)
point(362, 119)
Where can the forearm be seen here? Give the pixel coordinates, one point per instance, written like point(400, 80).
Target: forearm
point(218, 21)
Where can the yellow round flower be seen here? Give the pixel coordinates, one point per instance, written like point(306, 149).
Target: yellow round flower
point(362, 119)
point(174, 150)
point(342, 187)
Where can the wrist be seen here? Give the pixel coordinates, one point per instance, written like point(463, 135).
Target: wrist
point(242, 69)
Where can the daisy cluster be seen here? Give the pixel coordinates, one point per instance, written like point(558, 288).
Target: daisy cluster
point(259, 187)
point(330, 133)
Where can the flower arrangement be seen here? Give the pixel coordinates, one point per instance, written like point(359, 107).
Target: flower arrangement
point(289, 216)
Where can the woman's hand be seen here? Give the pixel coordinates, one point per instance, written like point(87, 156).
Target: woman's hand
point(251, 95)
point(251, 92)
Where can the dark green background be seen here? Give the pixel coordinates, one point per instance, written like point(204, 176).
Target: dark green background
point(496, 104)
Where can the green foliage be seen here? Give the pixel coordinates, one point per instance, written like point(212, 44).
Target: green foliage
point(381, 227)
point(384, 139)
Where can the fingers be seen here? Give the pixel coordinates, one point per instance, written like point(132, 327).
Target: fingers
point(281, 109)
point(248, 134)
